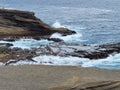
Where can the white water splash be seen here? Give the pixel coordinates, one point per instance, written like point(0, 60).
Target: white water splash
point(112, 62)
point(58, 60)
point(75, 38)
point(57, 24)
point(27, 43)
point(56, 35)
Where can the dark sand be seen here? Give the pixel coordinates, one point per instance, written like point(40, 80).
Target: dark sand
point(40, 77)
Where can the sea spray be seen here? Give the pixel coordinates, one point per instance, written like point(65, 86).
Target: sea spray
point(75, 38)
point(57, 24)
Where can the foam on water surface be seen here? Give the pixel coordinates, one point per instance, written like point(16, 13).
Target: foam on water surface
point(75, 38)
point(28, 43)
point(57, 24)
point(112, 62)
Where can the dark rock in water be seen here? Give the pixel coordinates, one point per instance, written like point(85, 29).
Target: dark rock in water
point(91, 52)
point(9, 39)
point(5, 44)
point(55, 39)
point(13, 55)
point(23, 23)
point(36, 38)
point(4, 49)
point(9, 44)
point(58, 49)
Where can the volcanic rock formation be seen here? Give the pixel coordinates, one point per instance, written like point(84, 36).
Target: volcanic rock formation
point(23, 23)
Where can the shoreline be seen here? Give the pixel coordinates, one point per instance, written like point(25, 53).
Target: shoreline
point(50, 77)
point(44, 77)
point(63, 54)
point(24, 23)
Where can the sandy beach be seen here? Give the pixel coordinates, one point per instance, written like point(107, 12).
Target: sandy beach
point(40, 77)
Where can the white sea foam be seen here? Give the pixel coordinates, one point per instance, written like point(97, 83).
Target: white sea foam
point(57, 24)
point(57, 60)
point(53, 60)
point(27, 43)
point(56, 35)
point(75, 38)
point(112, 62)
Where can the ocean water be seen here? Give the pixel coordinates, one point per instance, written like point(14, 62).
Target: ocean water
point(95, 21)
point(98, 21)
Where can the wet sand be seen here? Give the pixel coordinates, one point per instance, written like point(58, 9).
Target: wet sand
point(40, 77)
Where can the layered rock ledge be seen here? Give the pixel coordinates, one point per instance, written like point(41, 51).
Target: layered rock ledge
point(23, 23)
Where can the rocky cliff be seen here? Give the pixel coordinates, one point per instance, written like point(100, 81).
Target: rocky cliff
point(23, 23)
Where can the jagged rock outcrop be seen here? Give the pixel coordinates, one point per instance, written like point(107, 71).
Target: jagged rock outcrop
point(83, 51)
point(23, 23)
point(57, 49)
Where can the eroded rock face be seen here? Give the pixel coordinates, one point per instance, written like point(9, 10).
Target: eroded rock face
point(23, 23)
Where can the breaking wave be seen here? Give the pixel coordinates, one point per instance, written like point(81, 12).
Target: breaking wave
point(75, 38)
point(57, 24)
point(112, 62)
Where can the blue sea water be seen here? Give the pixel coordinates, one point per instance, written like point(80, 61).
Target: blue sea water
point(95, 21)
point(98, 21)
